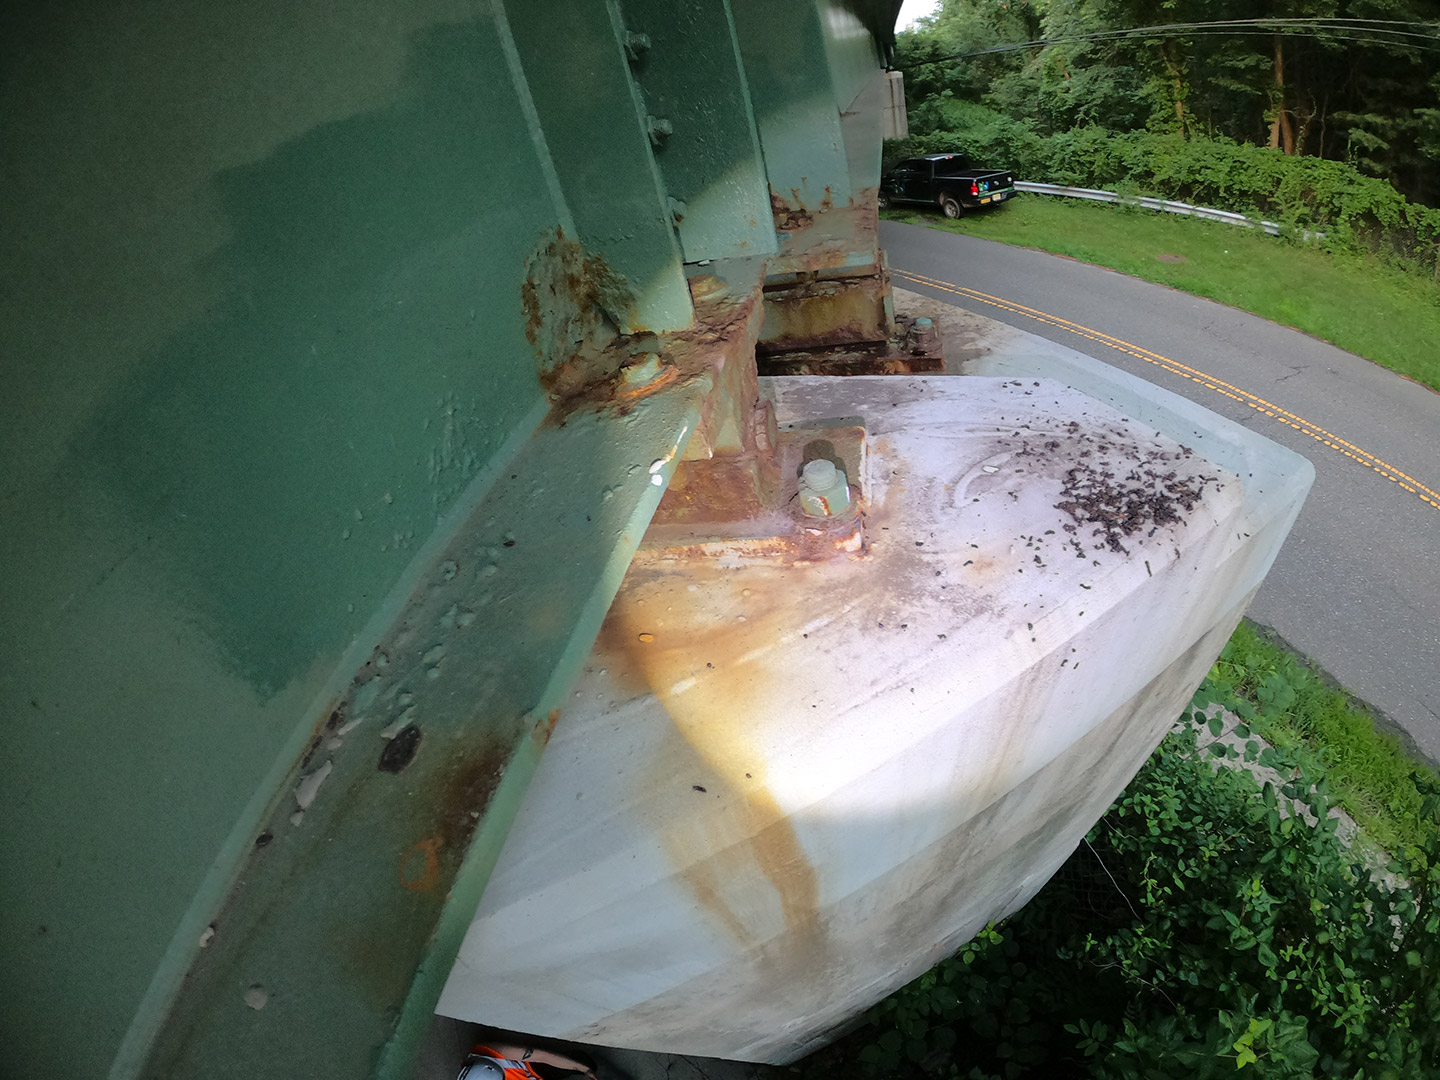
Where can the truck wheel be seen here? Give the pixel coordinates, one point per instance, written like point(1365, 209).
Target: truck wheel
point(882, 201)
point(951, 207)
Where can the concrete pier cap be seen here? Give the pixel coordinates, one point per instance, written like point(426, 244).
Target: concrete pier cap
point(786, 785)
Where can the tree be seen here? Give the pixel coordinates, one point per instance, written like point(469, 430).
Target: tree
point(1352, 92)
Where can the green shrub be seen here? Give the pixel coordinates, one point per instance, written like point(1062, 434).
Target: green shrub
point(1201, 928)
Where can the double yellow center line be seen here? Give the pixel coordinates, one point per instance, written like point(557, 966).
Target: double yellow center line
point(1210, 382)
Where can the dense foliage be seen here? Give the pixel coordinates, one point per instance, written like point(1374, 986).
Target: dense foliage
point(1304, 193)
point(1203, 926)
point(1336, 130)
point(1366, 93)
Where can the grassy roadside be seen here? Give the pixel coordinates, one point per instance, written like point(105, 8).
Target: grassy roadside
point(1370, 774)
point(1362, 306)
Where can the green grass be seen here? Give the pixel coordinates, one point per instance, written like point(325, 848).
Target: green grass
point(1370, 774)
point(1361, 305)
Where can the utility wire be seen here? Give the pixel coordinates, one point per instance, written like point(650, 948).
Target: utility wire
point(1382, 29)
point(1429, 31)
point(1357, 31)
point(1335, 34)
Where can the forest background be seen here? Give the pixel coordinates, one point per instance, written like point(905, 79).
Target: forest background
point(1321, 114)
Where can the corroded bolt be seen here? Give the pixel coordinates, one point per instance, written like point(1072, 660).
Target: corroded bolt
point(823, 490)
point(925, 337)
point(659, 129)
point(635, 44)
point(644, 371)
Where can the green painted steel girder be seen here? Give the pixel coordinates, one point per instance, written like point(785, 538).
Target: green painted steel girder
point(279, 333)
point(687, 64)
point(879, 18)
point(330, 952)
point(575, 62)
point(784, 50)
point(263, 323)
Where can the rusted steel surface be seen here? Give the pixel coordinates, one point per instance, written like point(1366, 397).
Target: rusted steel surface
point(791, 214)
point(729, 487)
point(788, 217)
point(730, 467)
point(726, 524)
point(585, 360)
point(836, 311)
point(574, 304)
point(829, 284)
point(808, 772)
point(876, 360)
point(843, 238)
point(721, 345)
point(910, 351)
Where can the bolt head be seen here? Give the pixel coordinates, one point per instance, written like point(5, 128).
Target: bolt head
point(819, 475)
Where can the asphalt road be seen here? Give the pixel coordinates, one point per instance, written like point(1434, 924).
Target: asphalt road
point(1357, 586)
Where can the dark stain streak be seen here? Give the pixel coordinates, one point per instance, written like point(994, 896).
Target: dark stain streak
point(400, 750)
point(310, 752)
point(466, 794)
point(334, 717)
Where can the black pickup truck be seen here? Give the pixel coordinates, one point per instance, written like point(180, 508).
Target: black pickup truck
point(951, 182)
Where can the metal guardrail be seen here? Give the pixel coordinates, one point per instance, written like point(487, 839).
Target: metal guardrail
point(1166, 205)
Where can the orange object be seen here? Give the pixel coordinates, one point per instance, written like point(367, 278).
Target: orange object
point(482, 1056)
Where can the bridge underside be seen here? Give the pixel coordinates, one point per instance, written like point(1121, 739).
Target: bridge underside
point(354, 353)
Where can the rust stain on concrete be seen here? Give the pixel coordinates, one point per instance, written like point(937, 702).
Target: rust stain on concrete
point(719, 692)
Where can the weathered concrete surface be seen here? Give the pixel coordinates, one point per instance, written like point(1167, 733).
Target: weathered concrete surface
point(787, 785)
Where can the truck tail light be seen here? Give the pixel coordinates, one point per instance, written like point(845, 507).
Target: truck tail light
point(974, 188)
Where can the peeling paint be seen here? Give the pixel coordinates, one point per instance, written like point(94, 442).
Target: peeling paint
point(574, 305)
point(309, 785)
point(826, 312)
point(789, 217)
point(842, 241)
